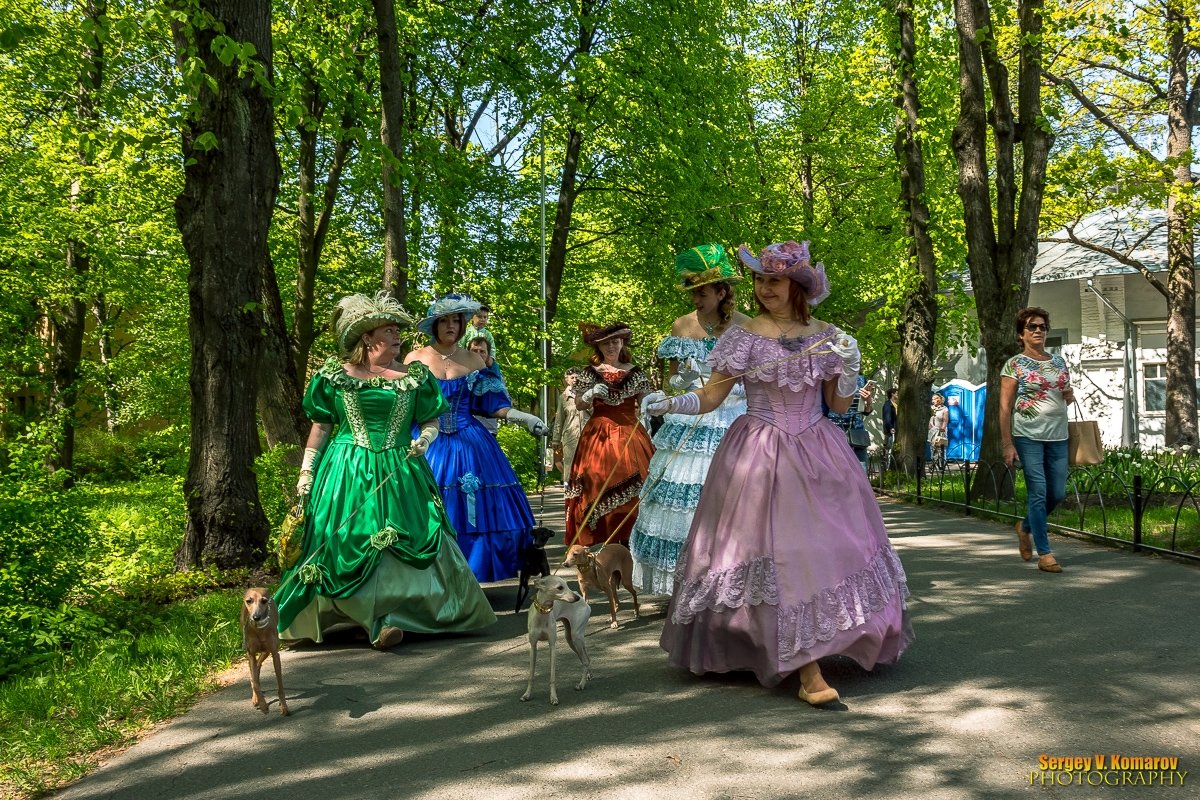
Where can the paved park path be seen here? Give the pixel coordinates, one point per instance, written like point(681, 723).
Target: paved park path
point(1008, 664)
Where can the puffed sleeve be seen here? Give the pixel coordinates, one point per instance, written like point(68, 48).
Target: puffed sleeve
point(428, 401)
point(488, 392)
point(319, 402)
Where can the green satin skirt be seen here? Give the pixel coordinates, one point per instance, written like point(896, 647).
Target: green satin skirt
point(442, 598)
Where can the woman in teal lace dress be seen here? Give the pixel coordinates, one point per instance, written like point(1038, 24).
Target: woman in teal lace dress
point(378, 549)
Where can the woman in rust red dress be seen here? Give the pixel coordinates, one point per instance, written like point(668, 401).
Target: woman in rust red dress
point(613, 457)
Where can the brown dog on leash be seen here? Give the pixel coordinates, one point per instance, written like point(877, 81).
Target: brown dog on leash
point(606, 570)
point(260, 635)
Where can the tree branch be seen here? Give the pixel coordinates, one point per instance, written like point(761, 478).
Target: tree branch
point(1116, 255)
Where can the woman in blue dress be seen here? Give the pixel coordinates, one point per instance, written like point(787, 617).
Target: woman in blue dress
point(684, 446)
point(483, 498)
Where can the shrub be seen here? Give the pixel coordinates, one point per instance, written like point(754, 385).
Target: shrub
point(522, 452)
point(110, 457)
point(42, 556)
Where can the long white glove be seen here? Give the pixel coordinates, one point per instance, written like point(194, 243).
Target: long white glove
point(597, 392)
point(685, 376)
point(531, 423)
point(429, 432)
point(304, 484)
point(656, 404)
point(845, 347)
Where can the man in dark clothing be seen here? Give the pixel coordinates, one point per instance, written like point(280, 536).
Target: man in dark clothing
point(889, 427)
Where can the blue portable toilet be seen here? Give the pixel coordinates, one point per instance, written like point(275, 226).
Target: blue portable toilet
point(965, 403)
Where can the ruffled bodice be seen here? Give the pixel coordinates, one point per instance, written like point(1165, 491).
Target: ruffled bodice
point(790, 364)
point(680, 348)
point(480, 393)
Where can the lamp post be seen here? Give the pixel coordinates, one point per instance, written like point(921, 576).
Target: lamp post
point(1131, 430)
point(545, 398)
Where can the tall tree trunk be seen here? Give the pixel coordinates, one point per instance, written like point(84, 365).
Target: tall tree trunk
point(391, 134)
point(68, 317)
point(105, 317)
point(314, 225)
point(224, 214)
point(1181, 286)
point(1001, 252)
point(279, 389)
point(556, 255)
point(919, 327)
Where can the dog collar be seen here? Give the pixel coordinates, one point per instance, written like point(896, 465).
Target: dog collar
point(542, 608)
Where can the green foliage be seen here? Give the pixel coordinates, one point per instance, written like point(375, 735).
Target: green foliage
point(521, 449)
point(108, 457)
point(100, 695)
point(1163, 472)
point(43, 551)
point(277, 476)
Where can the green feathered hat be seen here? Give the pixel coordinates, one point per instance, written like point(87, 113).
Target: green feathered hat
point(703, 264)
point(357, 314)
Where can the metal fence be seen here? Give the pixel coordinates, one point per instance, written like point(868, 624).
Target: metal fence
point(1156, 510)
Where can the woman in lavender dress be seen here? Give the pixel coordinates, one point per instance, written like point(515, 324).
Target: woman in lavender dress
point(787, 560)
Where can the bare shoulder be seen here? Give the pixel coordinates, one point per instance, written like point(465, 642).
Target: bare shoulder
point(740, 319)
point(760, 326)
point(685, 326)
point(415, 355)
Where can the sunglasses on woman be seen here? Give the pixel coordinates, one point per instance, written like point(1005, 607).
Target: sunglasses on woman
point(1037, 326)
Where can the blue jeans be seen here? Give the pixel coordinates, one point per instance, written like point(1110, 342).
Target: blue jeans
point(1045, 465)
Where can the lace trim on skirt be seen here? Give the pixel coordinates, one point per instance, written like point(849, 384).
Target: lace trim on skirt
point(618, 496)
point(848, 605)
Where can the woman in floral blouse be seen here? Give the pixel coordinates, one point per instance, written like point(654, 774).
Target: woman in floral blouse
point(1035, 388)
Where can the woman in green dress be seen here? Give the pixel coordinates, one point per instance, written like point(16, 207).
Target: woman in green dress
point(378, 550)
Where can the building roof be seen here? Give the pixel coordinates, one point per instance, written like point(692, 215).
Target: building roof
point(1140, 233)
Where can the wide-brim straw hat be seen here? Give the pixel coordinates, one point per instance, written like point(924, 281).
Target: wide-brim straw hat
point(357, 314)
point(445, 306)
point(790, 260)
point(702, 265)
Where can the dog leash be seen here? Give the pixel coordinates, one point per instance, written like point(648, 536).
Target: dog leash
point(600, 495)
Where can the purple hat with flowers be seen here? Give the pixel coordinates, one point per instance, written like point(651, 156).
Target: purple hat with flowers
point(790, 260)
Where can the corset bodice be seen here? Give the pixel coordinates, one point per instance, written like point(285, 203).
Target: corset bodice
point(788, 410)
point(458, 395)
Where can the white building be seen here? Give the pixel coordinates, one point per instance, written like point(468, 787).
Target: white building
point(1100, 310)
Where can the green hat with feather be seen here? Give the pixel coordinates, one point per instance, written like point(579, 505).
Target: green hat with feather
point(702, 265)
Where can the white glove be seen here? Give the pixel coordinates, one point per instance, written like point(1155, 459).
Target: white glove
point(846, 348)
point(683, 404)
point(655, 404)
point(429, 432)
point(304, 485)
point(686, 375)
point(531, 423)
point(599, 391)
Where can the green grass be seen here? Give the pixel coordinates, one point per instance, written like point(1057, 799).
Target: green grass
point(55, 720)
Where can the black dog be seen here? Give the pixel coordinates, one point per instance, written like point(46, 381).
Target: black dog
point(534, 563)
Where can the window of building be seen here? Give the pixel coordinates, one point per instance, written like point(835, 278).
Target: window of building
point(1154, 386)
